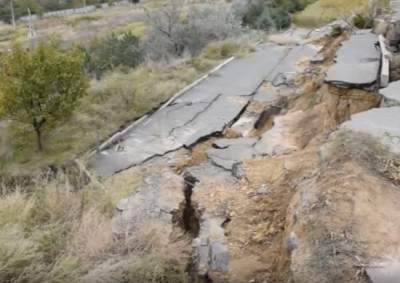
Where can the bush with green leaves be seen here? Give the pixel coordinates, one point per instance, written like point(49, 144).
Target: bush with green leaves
point(175, 31)
point(363, 22)
point(273, 18)
point(336, 31)
point(116, 51)
point(268, 14)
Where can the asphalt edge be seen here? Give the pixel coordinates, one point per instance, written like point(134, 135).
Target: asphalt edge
point(118, 134)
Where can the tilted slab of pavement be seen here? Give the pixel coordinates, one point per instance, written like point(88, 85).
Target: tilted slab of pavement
point(357, 63)
point(391, 95)
point(381, 123)
point(204, 110)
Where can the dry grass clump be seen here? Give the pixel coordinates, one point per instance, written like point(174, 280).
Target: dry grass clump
point(54, 234)
point(149, 255)
point(325, 11)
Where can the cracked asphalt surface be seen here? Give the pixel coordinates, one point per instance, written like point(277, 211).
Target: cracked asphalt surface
point(358, 61)
point(202, 111)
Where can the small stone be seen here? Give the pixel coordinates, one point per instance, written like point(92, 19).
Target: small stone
point(318, 59)
point(292, 242)
point(219, 257)
point(238, 171)
point(263, 190)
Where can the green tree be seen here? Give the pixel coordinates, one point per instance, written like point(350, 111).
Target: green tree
point(41, 87)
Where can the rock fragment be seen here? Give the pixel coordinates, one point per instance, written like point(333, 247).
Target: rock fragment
point(228, 152)
point(391, 95)
point(157, 198)
point(381, 123)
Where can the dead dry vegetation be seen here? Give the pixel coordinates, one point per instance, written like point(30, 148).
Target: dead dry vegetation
point(53, 233)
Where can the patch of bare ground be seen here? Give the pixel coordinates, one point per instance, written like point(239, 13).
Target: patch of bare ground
point(256, 230)
point(344, 216)
point(194, 156)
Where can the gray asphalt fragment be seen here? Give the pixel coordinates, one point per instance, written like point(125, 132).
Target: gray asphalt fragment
point(381, 123)
point(357, 62)
point(230, 152)
point(391, 95)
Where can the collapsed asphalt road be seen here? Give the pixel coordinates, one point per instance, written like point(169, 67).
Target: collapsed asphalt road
point(206, 109)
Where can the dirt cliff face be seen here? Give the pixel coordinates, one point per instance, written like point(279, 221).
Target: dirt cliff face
point(263, 242)
point(344, 215)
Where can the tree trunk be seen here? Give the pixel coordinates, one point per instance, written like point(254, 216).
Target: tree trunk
point(12, 13)
point(39, 139)
point(37, 125)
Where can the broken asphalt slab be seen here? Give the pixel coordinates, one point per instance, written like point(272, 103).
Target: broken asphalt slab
point(381, 123)
point(386, 273)
point(206, 109)
point(357, 63)
point(391, 95)
point(228, 152)
point(158, 198)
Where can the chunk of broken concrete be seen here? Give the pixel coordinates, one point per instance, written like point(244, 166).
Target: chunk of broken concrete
point(318, 59)
point(391, 95)
point(357, 63)
point(157, 198)
point(381, 123)
point(388, 273)
point(228, 152)
point(219, 257)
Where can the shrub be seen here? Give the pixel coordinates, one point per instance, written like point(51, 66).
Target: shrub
point(363, 22)
point(173, 36)
point(336, 31)
point(115, 51)
point(267, 15)
point(273, 18)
